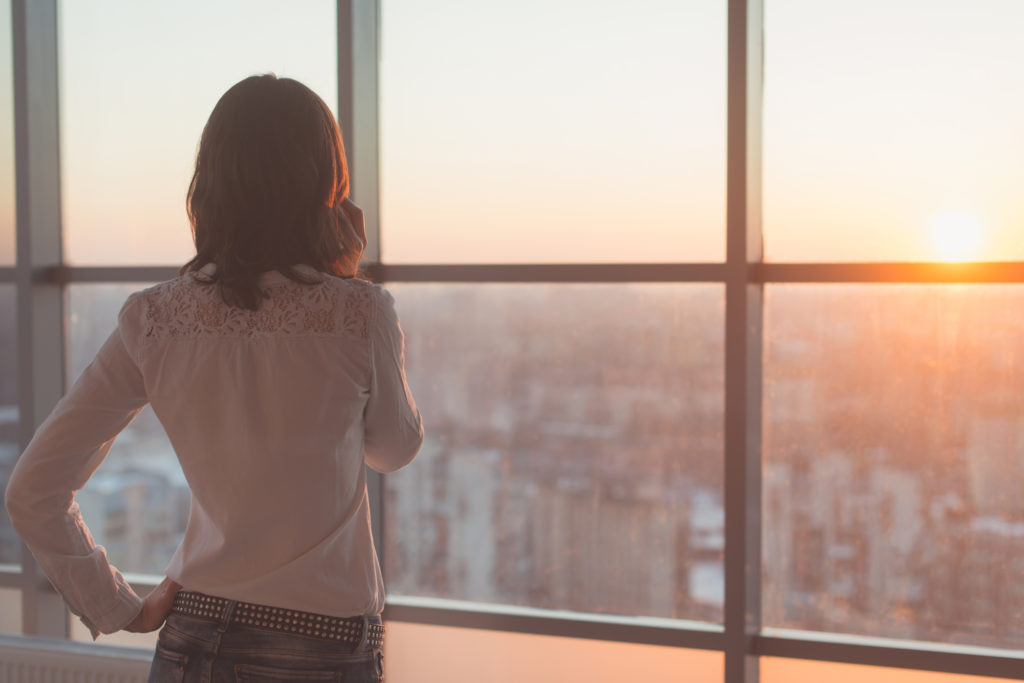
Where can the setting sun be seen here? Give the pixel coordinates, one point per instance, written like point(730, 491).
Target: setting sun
point(955, 235)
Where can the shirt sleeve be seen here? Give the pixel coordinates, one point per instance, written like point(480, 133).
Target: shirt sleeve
point(394, 430)
point(65, 451)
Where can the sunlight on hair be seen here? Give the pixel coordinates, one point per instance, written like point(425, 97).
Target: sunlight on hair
point(955, 235)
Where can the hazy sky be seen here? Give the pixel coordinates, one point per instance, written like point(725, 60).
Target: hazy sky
point(553, 131)
point(883, 118)
point(576, 130)
point(138, 81)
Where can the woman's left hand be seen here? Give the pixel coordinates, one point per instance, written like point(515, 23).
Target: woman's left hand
point(155, 608)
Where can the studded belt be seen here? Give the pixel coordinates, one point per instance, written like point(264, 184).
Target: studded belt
point(357, 630)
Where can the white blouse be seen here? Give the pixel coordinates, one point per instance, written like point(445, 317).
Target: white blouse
point(272, 414)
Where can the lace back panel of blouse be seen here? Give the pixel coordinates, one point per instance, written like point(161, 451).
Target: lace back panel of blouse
point(187, 308)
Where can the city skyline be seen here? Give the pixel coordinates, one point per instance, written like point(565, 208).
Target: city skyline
point(582, 435)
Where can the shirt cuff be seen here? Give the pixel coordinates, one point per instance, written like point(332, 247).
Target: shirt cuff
point(124, 610)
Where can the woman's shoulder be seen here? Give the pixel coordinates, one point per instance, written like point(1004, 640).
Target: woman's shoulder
point(183, 288)
point(360, 302)
point(137, 315)
point(362, 290)
point(160, 290)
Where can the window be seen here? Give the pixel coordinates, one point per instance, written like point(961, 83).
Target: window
point(891, 132)
point(647, 426)
point(894, 457)
point(130, 127)
point(571, 426)
point(10, 547)
point(570, 423)
point(574, 131)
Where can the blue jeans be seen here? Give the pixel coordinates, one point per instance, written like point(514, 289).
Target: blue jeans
point(192, 650)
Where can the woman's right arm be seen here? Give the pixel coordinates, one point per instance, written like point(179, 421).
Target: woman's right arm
point(65, 451)
point(394, 430)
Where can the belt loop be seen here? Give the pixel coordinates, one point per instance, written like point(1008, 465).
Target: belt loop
point(225, 617)
point(366, 634)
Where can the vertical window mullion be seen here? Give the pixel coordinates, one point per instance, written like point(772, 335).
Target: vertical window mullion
point(39, 303)
point(743, 333)
point(358, 54)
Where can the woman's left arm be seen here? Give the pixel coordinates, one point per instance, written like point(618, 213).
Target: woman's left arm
point(65, 451)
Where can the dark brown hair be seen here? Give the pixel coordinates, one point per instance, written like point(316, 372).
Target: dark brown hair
point(268, 188)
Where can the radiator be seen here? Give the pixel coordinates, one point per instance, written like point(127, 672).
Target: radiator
point(43, 660)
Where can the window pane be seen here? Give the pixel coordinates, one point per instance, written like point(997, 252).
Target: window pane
point(10, 544)
point(138, 81)
point(7, 216)
point(894, 461)
point(410, 656)
point(10, 610)
point(552, 131)
point(892, 130)
point(569, 428)
point(777, 670)
point(137, 503)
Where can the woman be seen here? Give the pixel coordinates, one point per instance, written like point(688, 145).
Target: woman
point(276, 374)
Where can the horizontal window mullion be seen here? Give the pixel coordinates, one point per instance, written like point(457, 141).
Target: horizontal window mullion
point(767, 273)
point(69, 274)
point(552, 273)
point(921, 656)
point(458, 614)
point(901, 272)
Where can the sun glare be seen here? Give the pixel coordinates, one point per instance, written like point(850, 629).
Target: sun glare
point(955, 235)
